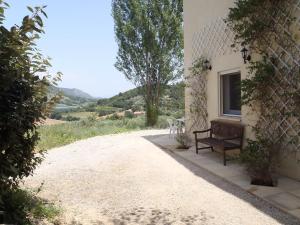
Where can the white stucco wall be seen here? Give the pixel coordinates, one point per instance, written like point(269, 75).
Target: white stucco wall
point(197, 15)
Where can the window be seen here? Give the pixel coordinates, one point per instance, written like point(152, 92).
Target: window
point(231, 94)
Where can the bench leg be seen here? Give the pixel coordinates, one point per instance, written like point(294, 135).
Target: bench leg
point(224, 155)
point(197, 149)
point(212, 149)
point(196, 143)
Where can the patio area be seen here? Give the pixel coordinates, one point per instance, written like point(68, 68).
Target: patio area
point(286, 196)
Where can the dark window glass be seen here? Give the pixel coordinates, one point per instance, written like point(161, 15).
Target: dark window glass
point(231, 86)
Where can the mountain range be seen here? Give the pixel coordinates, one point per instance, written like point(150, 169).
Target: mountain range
point(71, 93)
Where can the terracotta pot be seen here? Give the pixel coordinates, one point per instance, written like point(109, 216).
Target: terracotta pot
point(263, 179)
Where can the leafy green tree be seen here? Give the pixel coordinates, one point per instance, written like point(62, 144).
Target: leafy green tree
point(150, 39)
point(24, 83)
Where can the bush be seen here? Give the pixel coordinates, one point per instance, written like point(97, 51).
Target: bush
point(182, 140)
point(162, 122)
point(71, 118)
point(56, 116)
point(128, 114)
point(136, 123)
point(259, 157)
point(115, 116)
point(62, 134)
point(106, 110)
point(23, 207)
point(24, 85)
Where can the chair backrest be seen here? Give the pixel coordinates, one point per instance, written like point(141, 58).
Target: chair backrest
point(227, 129)
point(171, 122)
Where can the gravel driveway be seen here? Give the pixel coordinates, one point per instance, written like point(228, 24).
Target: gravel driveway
point(125, 179)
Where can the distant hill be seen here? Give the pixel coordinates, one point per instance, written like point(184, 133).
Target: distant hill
point(72, 93)
point(171, 100)
point(72, 98)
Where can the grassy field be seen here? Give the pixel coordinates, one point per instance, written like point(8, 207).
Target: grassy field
point(81, 115)
point(63, 134)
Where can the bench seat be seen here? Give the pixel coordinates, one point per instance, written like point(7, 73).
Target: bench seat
point(218, 142)
point(224, 135)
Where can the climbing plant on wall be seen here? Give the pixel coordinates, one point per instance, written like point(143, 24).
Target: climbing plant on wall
point(197, 85)
point(272, 89)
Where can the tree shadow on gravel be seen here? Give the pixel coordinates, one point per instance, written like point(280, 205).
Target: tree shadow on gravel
point(236, 191)
point(151, 216)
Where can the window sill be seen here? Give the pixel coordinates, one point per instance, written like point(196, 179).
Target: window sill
point(231, 117)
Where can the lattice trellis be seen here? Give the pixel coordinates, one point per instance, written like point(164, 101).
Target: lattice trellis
point(198, 108)
point(209, 42)
point(212, 40)
point(285, 59)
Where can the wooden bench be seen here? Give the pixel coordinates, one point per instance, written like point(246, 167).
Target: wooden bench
point(223, 134)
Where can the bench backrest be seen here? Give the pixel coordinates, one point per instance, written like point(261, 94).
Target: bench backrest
point(227, 129)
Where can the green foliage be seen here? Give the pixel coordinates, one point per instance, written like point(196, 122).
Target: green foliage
point(56, 116)
point(137, 123)
point(171, 102)
point(197, 85)
point(151, 114)
point(63, 134)
point(198, 67)
point(253, 21)
point(262, 24)
point(71, 118)
point(124, 100)
point(162, 122)
point(254, 88)
point(23, 207)
point(106, 110)
point(128, 114)
point(182, 140)
point(260, 156)
point(150, 39)
point(24, 81)
point(115, 116)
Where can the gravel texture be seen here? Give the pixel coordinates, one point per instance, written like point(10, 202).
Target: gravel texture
point(126, 179)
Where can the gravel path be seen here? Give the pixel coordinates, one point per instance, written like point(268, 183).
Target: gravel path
point(125, 179)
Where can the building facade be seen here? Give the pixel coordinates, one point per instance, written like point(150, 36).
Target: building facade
point(207, 36)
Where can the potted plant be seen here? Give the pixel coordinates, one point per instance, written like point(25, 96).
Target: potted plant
point(260, 157)
point(183, 141)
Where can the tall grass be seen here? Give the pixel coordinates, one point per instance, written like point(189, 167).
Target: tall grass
point(63, 134)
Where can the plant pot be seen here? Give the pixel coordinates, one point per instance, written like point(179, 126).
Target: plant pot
point(182, 147)
point(265, 179)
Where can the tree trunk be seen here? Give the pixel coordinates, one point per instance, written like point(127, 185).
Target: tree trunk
point(151, 114)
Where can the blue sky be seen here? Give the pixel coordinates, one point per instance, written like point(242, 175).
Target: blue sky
point(80, 40)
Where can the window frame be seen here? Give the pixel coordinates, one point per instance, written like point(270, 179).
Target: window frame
point(220, 94)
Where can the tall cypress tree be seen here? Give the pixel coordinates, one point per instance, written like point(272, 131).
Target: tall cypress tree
point(150, 38)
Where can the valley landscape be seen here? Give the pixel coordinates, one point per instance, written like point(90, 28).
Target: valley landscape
point(78, 115)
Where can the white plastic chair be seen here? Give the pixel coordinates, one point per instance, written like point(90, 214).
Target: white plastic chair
point(173, 127)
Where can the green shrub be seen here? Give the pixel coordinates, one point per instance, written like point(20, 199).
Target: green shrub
point(24, 83)
point(56, 116)
point(23, 207)
point(136, 123)
point(114, 116)
point(62, 134)
point(71, 118)
point(260, 157)
point(128, 114)
point(182, 140)
point(162, 122)
point(106, 110)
